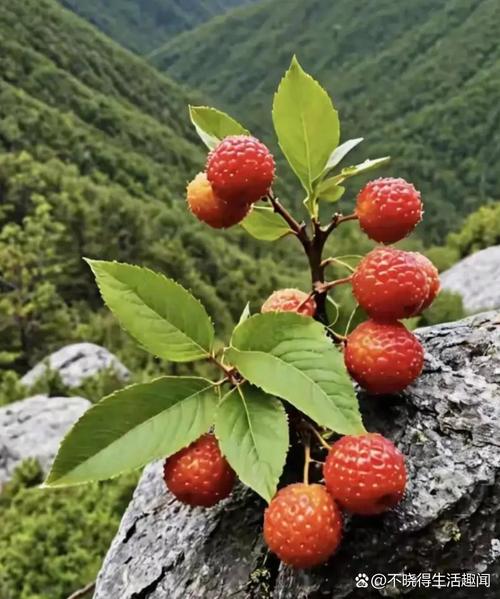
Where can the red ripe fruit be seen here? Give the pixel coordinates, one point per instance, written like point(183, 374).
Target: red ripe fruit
point(391, 284)
point(290, 300)
point(303, 525)
point(210, 208)
point(199, 474)
point(365, 474)
point(383, 357)
point(388, 209)
point(432, 275)
point(240, 169)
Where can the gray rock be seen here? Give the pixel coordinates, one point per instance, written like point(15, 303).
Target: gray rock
point(447, 424)
point(477, 279)
point(76, 363)
point(33, 428)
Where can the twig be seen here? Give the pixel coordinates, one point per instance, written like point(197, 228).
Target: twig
point(342, 219)
point(324, 287)
point(349, 322)
point(318, 436)
point(229, 372)
point(89, 588)
point(328, 261)
point(307, 459)
point(298, 228)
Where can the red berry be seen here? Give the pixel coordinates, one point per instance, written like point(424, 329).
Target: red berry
point(433, 276)
point(388, 209)
point(365, 474)
point(210, 208)
point(303, 525)
point(199, 474)
point(383, 357)
point(290, 300)
point(390, 284)
point(240, 169)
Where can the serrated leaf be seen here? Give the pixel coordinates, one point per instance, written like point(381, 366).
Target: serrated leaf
point(213, 125)
point(289, 355)
point(341, 152)
point(358, 169)
point(264, 224)
point(252, 429)
point(330, 191)
point(306, 123)
point(163, 316)
point(132, 427)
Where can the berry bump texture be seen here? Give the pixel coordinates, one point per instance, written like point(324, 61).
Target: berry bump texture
point(366, 474)
point(303, 525)
point(208, 207)
point(388, 209)
point(432, 275)
point(290, 300)
point(383, 357)
point(240, 169)
point(390, 284)
point(199, 475)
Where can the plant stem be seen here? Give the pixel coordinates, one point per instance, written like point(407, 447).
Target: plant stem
point(322, 442)
point(229, 372)
point(307, 460)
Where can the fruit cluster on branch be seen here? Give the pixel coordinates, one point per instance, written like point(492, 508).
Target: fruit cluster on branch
point(212, 432)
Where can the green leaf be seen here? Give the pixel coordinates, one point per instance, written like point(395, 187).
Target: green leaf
point(252, 429)
point(212, 125)
point(132, 427)
point(164, 318)
point(290, 356)
point(306, 123)
point(245, 314)
point(330, 191)
point(341, 152)
point(264, 224)
point(358, 169)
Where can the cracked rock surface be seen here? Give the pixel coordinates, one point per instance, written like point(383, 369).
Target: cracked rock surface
point(76, 363)
point(448, 426)
point(33, 428)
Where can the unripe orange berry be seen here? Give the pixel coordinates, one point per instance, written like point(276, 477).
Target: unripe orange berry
point(290, 300)
point(208, 207)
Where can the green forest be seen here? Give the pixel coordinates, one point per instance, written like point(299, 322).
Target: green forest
point(96, 150)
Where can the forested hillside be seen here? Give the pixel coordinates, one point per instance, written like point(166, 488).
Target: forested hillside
point(144, 25)
point(97, 150)
point(420, 83)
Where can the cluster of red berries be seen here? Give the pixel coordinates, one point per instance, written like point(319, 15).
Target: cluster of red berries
point(238, 173)
point(389, 284)
point(364, 475)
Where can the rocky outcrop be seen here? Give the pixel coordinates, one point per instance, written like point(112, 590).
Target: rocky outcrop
point(477, 279)
point(447, 424)
point(33, 428)
point(76, 363)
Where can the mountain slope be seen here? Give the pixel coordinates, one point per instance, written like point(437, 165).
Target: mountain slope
point(102, 127)
point(422, 84)
point(143, 25)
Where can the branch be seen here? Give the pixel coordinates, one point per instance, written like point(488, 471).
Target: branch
point(337, 220)
point(298, 229)
point(324, 287)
